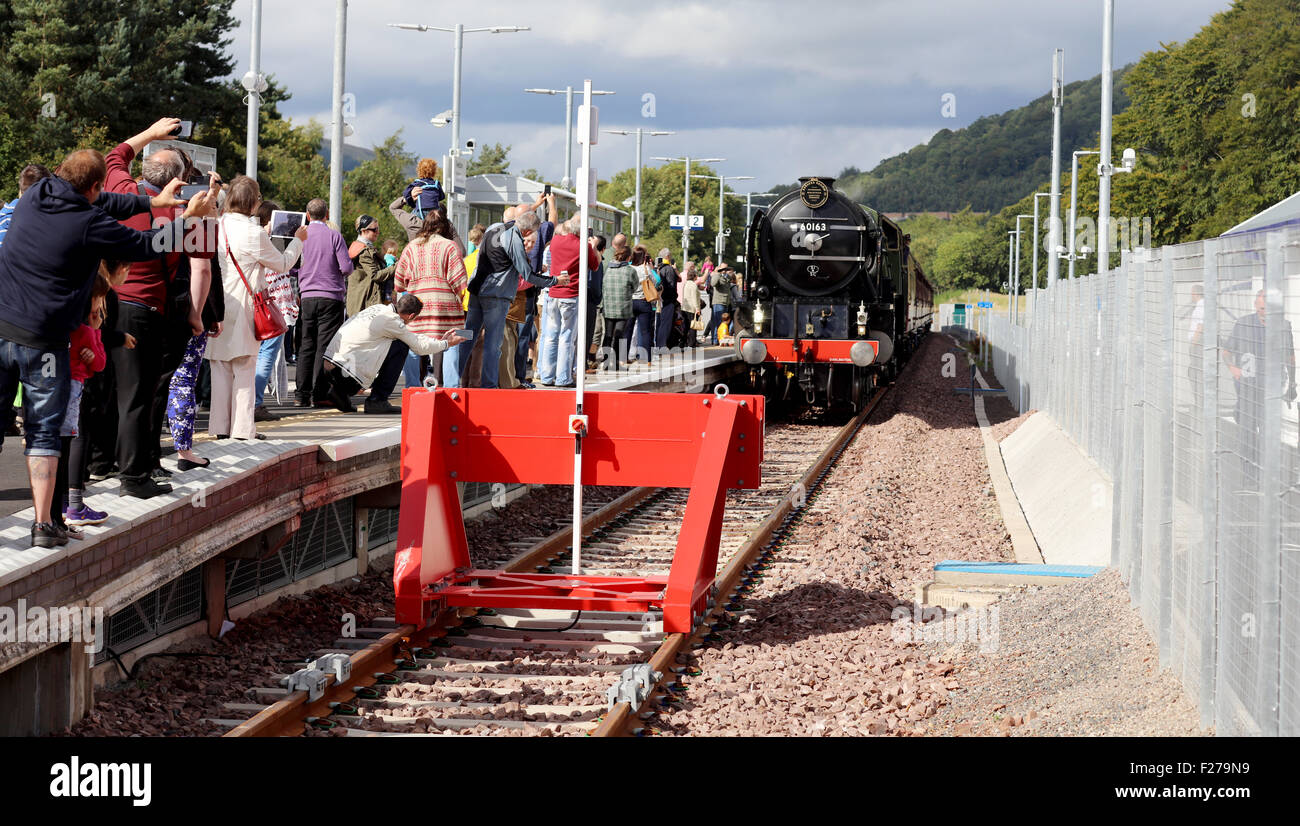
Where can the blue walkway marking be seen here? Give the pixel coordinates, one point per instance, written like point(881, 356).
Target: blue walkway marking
point(1020, 568)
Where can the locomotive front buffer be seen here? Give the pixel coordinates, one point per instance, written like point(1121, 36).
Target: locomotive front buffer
point(707, 443)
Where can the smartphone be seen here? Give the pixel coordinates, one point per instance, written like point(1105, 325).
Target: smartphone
point(546, 190)
point(465, 334)
point(190, 190)
point(184, 130)
point(284, 224)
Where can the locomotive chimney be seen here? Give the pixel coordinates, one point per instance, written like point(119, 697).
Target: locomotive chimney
point(829, 181)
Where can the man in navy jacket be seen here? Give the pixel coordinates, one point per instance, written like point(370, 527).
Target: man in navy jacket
point(62, 228)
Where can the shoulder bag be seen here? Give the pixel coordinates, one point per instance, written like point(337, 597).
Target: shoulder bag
point(268, 321)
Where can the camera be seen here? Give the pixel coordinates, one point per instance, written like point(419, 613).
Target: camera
point(184, 129)
point(546, 190)
point(470, 144)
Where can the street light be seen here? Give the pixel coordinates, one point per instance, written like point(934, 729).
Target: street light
point(1034, 265)
point(636, 216)
point(686, 228)
point(722, 188)
point(454, 116)
point(254, 82)
point(1071, 256)
point(1019, 218)
point(568, 126)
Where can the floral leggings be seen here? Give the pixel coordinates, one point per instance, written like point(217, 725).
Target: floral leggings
point(181, 406)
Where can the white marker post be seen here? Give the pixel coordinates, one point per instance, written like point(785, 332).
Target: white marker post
point(588, 132)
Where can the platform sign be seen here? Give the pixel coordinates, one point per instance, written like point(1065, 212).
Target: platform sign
point(679, 222)
point(959, 314)
point(986, 305)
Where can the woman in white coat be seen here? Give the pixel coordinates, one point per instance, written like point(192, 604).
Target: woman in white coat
point(232, 357)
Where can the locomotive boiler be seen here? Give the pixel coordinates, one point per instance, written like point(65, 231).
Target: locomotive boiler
point(833, 301)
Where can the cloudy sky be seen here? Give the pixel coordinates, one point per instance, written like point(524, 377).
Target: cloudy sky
point(778, 88)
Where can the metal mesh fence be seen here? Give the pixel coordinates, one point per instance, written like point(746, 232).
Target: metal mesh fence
point(1176, 373)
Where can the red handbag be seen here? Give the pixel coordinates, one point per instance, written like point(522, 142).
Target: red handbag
point(268, 321)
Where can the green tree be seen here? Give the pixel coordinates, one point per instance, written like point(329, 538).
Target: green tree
point(371, 187)
point(93, 72)
point(491, 159)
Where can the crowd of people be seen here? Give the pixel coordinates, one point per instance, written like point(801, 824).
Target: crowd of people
point(126, 308)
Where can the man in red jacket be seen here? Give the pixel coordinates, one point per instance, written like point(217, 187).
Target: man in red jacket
point(155, 306)
point(560, 325)
point(62, 228)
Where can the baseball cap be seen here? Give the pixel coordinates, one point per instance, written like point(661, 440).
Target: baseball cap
point(365, 222)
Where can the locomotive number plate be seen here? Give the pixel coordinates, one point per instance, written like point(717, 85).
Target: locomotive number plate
point(815, 226)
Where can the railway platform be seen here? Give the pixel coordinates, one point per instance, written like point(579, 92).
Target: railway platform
point(310, 505)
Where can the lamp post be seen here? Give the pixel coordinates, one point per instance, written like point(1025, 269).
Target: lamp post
point(567, 91)
point(459, 31)
point(1011, 272)
point(336, 108)
point(1071, 256)
point(1054, 223)
point(254, 82)
point(722, 188)
point(1034, 265)
point(1104, 168)
point(640, 133)
point(686, 228)
point(1019, 218)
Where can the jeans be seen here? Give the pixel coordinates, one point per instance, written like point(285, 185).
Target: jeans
point(266, 356)
point(320, 320)
point(411, 369)
point(46, 378)
point(527, 331)
point(558, 333)
point(711, 331)
point(613, 350)
point(643, 313)
point(487, 315)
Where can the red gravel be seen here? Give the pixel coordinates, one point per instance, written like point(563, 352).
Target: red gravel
point(817, 654)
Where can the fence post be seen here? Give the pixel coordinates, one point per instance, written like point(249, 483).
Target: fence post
point(1208, 626)
point(1270, 456)
point(1165, 471)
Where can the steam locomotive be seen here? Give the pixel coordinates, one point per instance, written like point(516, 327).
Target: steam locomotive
point(833, 302)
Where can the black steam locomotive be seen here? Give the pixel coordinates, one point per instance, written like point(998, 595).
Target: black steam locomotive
point(833, 301)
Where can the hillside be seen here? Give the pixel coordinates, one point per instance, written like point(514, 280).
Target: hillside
point(995, 161)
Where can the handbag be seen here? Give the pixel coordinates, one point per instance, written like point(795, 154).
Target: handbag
point(268, 321)
point(648, 289)
point(697, 323)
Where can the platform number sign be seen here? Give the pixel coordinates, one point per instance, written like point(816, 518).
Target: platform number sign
point(680, 221)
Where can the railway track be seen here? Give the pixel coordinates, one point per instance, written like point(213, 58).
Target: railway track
point(518, 671)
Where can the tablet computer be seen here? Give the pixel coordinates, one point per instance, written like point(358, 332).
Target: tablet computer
point(284, 224)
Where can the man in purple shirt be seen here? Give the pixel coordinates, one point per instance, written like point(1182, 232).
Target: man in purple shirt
point(323, 284)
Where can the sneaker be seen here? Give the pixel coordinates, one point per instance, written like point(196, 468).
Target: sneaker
point(145, 489)
point(261, 414)
point(527, 385)
point(47, 535)
point(69, 531)
point(84, 515)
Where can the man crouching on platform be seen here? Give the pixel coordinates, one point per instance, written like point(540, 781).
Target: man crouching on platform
point(358, 349)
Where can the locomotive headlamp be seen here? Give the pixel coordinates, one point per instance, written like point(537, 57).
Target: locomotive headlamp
point(758, 315)
point(862, 313)
point(862, 329)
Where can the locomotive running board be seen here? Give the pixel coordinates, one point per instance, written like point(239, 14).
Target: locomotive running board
point(707, 443)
